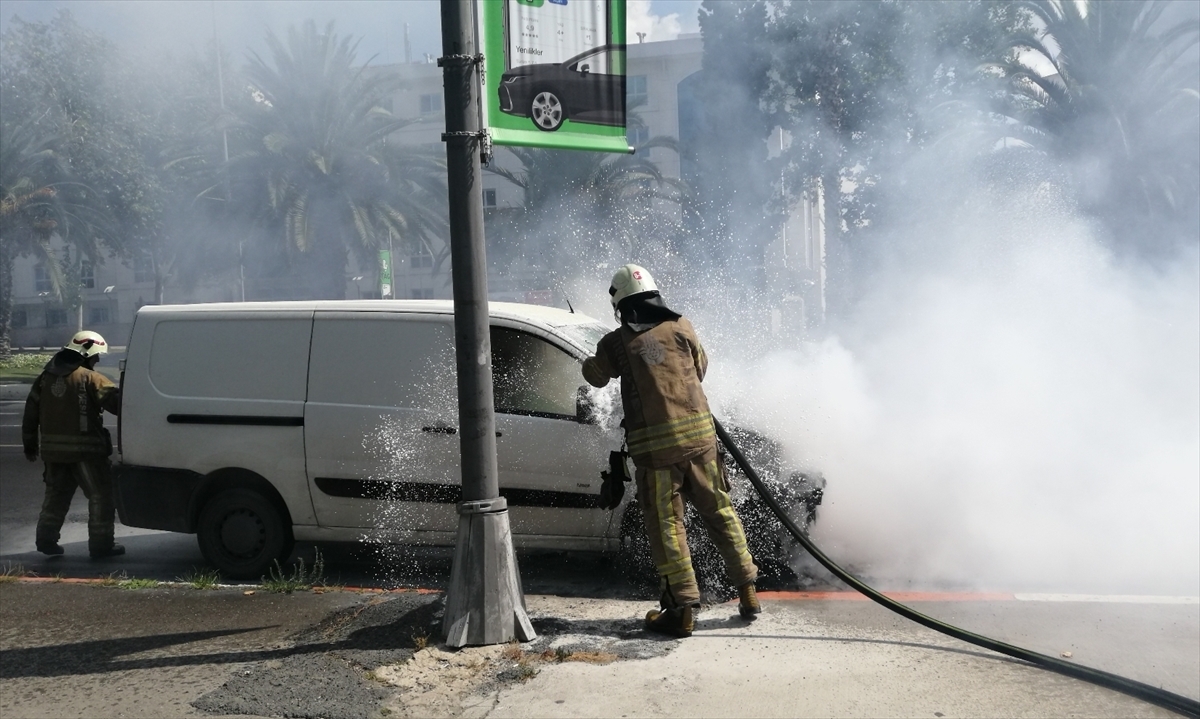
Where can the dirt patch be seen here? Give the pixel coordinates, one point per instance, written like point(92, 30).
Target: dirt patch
point(437, 681)
point(382, 658)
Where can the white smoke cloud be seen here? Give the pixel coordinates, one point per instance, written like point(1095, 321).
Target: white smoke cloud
point(1010, 408)
point(640, 17)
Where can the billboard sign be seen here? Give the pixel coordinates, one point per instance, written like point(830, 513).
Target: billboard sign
point(555, 73)
point(385, 274)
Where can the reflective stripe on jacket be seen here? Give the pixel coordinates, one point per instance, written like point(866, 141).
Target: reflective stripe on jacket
point(667, 419)
point(63, 412)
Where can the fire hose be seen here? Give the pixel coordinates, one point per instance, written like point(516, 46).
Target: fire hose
point(1154, 695)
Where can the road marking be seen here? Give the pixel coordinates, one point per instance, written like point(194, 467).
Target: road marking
point(985, 597)
point(1107, 598)
point(898, 596)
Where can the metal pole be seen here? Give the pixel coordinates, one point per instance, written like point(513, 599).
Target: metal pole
point(484, 602)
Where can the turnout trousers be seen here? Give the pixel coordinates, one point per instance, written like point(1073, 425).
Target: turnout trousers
point(94, 477)
point(660, 493)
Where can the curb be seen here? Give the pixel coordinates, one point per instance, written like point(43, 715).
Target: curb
point(109, 581)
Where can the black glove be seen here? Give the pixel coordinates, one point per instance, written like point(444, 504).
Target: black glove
point(613, 489)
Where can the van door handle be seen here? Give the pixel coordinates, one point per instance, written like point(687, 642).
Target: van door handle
point(448, 430)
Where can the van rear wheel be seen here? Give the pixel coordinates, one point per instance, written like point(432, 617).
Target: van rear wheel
point(242, 533)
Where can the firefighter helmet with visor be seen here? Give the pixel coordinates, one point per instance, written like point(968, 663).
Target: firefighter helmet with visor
point(631, 280)
point(87, 343)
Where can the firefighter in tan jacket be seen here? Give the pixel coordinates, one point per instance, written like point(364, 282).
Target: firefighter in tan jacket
point(63, 422)
point(671, 438)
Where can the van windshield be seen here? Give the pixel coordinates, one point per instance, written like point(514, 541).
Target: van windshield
point(585, 335)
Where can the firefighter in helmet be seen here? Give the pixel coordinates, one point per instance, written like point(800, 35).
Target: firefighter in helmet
point(63, 423)
point(672, 441)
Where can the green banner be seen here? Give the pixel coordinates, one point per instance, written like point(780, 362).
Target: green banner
point(385, 274)
point(555, 73)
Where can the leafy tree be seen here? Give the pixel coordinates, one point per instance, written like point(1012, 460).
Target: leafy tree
point(734, 208)
point(314, 168)
point(70, 82)
point(1113, 90)
point(856, 84)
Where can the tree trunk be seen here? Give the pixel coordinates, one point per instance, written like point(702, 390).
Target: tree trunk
point(6, 276)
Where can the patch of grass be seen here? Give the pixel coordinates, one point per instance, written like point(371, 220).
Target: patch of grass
point(23, 366)
point(526, 671)
point(202, 578)
point(420, 641)
point(300, 578)
point(136, 583)
point(114, 579)
point(11, 572)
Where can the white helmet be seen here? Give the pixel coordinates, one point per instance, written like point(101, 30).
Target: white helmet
point(631, 280)
point(87, 343)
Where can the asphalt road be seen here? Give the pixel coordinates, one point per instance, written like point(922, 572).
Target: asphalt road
point(840, 657)
point(166, 556)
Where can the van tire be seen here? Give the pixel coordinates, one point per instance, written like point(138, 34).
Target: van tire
point(242, 533)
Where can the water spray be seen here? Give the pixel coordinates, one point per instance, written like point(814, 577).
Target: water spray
point(1154, 695)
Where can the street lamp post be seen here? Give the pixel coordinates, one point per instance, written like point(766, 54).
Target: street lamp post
point(484, 602)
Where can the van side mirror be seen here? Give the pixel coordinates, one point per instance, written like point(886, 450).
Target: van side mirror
point(585, 408)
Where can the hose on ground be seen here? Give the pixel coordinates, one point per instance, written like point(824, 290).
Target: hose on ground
point(1154, 695)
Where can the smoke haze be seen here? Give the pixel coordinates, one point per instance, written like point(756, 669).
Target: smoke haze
point(1009, 408)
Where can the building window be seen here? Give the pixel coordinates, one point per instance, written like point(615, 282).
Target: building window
point(635, 91)
point(98, 316)
point(56, 318)
point(87, 276)
point(143, 268)
point(41, 280)
point(422, 294)
point(431, 104)
point(489, 198)
point(420, 259)
point(20, 318)
point(637, 135)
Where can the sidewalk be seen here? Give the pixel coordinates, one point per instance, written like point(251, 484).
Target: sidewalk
point(79, 650)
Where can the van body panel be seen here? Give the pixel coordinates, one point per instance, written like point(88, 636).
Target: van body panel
point(156, 497)
point(349, 409)
point(191, 375)
point(312, 533)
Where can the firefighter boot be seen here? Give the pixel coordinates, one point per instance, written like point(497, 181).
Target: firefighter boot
point(52, 549)
point(115, 550)
point(748, 605)
point(675, 621)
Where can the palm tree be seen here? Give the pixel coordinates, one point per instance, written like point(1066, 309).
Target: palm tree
point(1112, 89)
point(36, 204)
point(588, 207)
point(317, 170)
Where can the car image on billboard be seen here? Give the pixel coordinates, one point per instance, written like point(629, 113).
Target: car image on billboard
point(584, 88)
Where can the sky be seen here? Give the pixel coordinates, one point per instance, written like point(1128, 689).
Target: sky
point(157, 26)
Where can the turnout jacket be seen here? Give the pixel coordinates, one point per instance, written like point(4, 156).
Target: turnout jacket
point(63, 410)
point(667, 419)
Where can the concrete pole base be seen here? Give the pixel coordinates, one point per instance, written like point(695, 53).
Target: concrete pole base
point(485, 604)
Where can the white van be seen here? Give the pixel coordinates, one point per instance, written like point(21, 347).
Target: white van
point(257, 424)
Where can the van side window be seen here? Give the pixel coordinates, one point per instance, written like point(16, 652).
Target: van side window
point(257, 359)
point(382, 360)
point(532, 376)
